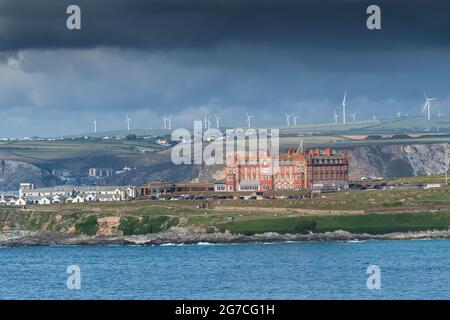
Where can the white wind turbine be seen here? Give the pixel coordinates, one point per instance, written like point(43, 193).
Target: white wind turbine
point(343, 107)
point(294, 119)
point(217, 121)
point(249, 120)
point(288, 117)
point(95, 125)
point(207, 122)
point(168, 122)
point(374, 117)
point(353, 115)
point(427, 105)
point(128, 122)
point(336, 117)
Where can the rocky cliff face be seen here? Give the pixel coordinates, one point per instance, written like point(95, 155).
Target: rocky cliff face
point(398, 160)
point(12, 173)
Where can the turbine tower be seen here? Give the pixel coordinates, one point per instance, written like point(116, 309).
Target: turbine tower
point(343, 107)
point(427, 105)
point(336, 117)
point(288, 117)
point(217, 121)
point(95, 125)
point(128, 122)
point(353, 115)
point(249, 120)
point(167, 122)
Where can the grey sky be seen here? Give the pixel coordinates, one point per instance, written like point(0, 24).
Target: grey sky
point(188, 58)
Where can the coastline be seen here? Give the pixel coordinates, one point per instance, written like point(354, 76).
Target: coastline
point(194, 236)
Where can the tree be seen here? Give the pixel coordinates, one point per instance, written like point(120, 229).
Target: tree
point(131, 136)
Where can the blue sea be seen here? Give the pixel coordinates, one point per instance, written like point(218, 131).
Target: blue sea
point(316, 270)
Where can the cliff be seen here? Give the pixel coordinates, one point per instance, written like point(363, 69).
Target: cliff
point(397, 160)
point(14, 172)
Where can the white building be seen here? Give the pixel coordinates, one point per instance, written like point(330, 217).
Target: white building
point(44, 200)
point(72, 194)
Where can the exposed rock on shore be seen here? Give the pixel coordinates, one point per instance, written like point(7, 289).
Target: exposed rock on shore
point(189, 235)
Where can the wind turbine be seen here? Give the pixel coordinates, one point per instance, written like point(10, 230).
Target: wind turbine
point(128, 122)
point(398, 114)
point(374, 117)
point(249, 119)
point(343, 107)
point(427, 105)
point(353, 115)
point(336, 117)
point(95, 125)
point(217, 121)
point(168, 119)
point(288, 117)
point(207, 122)
point(294, 119)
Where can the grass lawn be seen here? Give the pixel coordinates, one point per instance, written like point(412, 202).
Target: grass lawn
point(369, 223)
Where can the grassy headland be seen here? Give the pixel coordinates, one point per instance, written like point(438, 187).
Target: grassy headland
point(374, 212)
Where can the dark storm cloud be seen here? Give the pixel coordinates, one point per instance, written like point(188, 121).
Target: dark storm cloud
point(171, 24)
point(149, 58)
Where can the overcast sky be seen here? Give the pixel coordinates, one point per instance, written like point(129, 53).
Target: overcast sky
point(189, 58)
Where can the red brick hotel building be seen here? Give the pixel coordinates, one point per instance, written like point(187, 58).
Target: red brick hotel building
point(296, 170)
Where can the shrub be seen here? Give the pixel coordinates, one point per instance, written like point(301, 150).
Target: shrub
point(146, 225)
point(88, 227)
point(304, 226)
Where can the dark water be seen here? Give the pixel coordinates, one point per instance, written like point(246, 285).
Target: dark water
point(333, 270)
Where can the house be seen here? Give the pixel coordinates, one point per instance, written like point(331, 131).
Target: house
point(44, 201)
point(32, 199)
point(90, 197)
point(56, 199)
point(78, 199)
point(69, 200)
point(20, 202)
point(74, 194)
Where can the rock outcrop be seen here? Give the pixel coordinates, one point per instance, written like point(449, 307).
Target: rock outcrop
point(12, 173)
point(190, 235)
point(398, 160)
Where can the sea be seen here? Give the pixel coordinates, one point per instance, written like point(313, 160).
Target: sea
point(309, 270)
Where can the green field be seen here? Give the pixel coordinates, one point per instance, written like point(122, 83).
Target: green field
point(369, 223)
point(83, 153)
point(388, 125)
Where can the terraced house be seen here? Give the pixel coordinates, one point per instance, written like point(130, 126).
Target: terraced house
point(296, 170)
point(74, 194)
